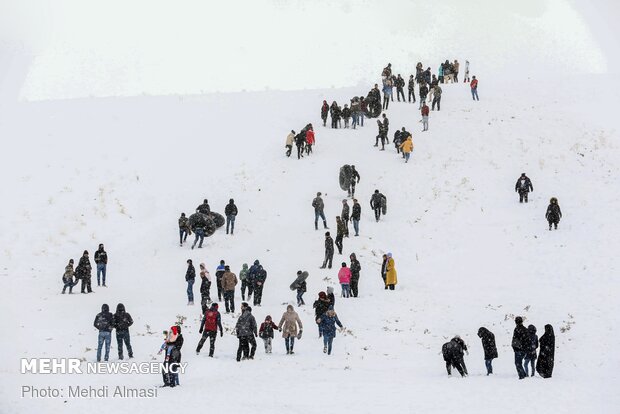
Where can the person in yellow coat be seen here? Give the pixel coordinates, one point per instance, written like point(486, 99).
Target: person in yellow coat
point(390, 278)
point(407, 147)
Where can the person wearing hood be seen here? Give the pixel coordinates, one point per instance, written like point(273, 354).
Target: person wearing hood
point(252, 275)
point(289, 143)
point(288, 326)
point(355, 267)
point(266, 333)
point(246, 330)
point(310, 140)
point(259, 284)
point(243, 276)
point(530, 356)
point(391, 278)
point(231, 213)
point(324, 112)
point(355, 179)
point(229, 281)
point(521, 341)
point(101, 260)
point(122, 322)
point(554, 214)
point(175, 355)
point(321, 305)
point(489, 347)
point(211, 322)
point(190, 278)
point(453, 355)
point(344, 277)
point(67, 277)
point(83, 272)
point(544, 366)
point(205, 287)
point(104, 322)
point(327, 325)
point(407, 147)
point(523, 187)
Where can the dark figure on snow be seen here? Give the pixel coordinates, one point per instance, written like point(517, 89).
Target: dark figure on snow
point(122, 322)
point(383, 132)
point(324, 112)
point(300, 142)
point(521, 342)
point(104, 322)
point(384, 270)
point(184, 229)
point(544, 366)
point(436, 98)
point(247, 331)
point(190, 278)
point(319, 206)
point(204, 207)
point(205, 287)
point(340, 229)
point(173, 356)
point(290, 139)
point(231, 213)
point(554, 214)
point(355, 267)
point(530, 356)
point(67, 278)
point(259, 283)
point(453, 355)
point(329, 251)
point(523, 187)
point(346, 114)
point(489, 347)
point(355, 179)
point(245, 285)
point(101, 261)
point(335, 112)
point(219, 274)
point(321, 305)
point(211, 322)
point(83, 272)
point(265, 332)
point(474, 89)
point(356, 215)
point(400, 85)
point(377, 203)
point(423, 93)
point(411, 89)
point(345, 216)
point(229, 281)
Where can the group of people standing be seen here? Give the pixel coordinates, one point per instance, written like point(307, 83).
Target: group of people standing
point(82, 272)
point(304, 141)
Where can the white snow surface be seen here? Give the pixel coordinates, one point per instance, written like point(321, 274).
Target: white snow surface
point(120, 170)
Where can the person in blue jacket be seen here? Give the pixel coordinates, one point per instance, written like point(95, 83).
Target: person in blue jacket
point(327, 325)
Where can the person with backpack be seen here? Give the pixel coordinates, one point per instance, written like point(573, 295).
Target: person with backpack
point(425, 112)
point(474, 88)
point(266, 333)
point(355, 267)
point(407, 148)
point(101, 260)
point(211, 322)
point(344, 278)
point(190, 278)
point(544, 366)
point(229, 281)
point(329, 251)
point(231, 214)
point(290, 138)
point(259, 284)
point(319, 206)
point(521, 342)
point(345, 216)
point(67, 278)
point(391, 278)
point(339, 234)
point(377, 202)
point(243, 277)
point(523, 187)
point(554, 214)
point(122, 322)
point(453, 355)
point(327, 324)
point(489, 347)
point(219, 273)
point(184, 229)
point(356, 214)
point(530, 355)
point(324, 112)
point(288, 326)
point(104, 322)
point(205, 287)
point(83, 272)
point(246, 331)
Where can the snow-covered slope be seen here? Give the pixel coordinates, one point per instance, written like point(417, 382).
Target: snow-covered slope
point(119, 171)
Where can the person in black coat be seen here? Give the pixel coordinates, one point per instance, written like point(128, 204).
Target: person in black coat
point(530, 357)
point(544, 366)
point(521, 343)
point(453, 355)
point(101, 260)
point(355, 267)
point(489, 347)
point(329, 251)
point(122, 322)
point(376, 203)
point(356, 215)
point(321, 305)
point(231, 213)
point(190, 278)
point(204, 207)
point(554, 214)
point(175, 359)
point(83, 272)
point(104, 322)
point(523, 187)
point(411, 88)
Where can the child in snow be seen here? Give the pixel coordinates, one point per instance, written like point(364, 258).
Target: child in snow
point(169, 338)
point(266, 333)
point(327, 324)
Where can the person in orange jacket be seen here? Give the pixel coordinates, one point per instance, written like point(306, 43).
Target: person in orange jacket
point(407, 147)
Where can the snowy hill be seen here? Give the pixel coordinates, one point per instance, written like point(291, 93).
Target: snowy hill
point(119, 171)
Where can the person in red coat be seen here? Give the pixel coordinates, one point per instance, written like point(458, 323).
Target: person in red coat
point(309, 139)
point(474, 88)
point(425, 113)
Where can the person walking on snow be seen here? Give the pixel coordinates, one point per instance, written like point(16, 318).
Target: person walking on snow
point(423, 93)
point(327, 324)
point(122, 322)
point(544, 366)
point(407, 148)
point(345, 215)
point(266, 333)
point(321, 305)
point(290, 138)
point(521, 343)
point(231, 214)
point(219, 273)
point(436, 98)
point(104, 322)
point(474, 88)
point(489, 347)
point(319, 206)
point(246, 331)
point(554, 214)
point(83, 272)
point(229, 281)
point(67, 278)
point(339, 234)
point(453, 356)
point(299, 284)
point(190, 278)
point(344, 278)
point(530, 355)
point(355, 179)
point(355, 267)
point(288, 326)
point(523, 187)
point(400, 85)
point(184, 229)
point(411, 89)
point(309, 139)
point(300, 142)
point(101, 260)
point(377, 203)
point(211, 322)
point(466, 76)
point(205, 287)
point(356, 215)
point(324, 112)
point(259, 284)
point(425, 112)
point(204, 208)
point(391, 278)
point(329, 251)
point(243, 276)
